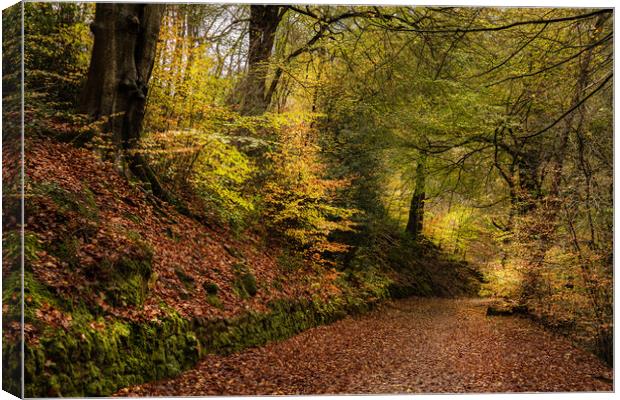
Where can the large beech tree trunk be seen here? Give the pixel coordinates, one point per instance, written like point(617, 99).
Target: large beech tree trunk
point(416, 210)
point(120, 68)
point(264, 21)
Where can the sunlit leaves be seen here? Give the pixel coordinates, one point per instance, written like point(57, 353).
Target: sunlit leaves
point(298, 198)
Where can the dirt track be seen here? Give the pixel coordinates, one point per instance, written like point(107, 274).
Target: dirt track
point(406, 346)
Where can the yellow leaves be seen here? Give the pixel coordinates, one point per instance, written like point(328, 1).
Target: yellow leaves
point(299, 201)
point(216, 170)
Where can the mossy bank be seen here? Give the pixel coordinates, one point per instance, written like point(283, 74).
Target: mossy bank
point(95, 357)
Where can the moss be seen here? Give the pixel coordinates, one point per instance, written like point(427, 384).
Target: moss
point(83, 203)
point(277, 284)
point(67, 250)
point(35, 295)
point(12, 246)
point(210, 287)
point(97, 356)
point(249, 283)
point(127, 281)
point(187, 280)
point(152, 280)
point(286, 318)
point(238, 290)
point(95, 361)
point(133, 217)
point(215, 301)
point(245, 284)
point(235, 252)
point(11, 373)
point(129, 291)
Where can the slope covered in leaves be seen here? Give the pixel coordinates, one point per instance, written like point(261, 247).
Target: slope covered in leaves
point(85, 211)
point(407, 346)
point(85, 222)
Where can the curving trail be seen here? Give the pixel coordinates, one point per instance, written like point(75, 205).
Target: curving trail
point(413, 345)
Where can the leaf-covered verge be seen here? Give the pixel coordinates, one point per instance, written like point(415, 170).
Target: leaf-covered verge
point(121, 289)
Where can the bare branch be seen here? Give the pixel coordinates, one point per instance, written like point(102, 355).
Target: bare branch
point(497, 28)
point(570, 110)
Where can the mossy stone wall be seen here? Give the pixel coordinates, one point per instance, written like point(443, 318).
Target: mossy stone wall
point(98, 358)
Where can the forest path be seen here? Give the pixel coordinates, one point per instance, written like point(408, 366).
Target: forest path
point(412, 345)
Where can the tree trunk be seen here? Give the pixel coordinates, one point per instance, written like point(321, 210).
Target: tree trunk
point(416, 211)
point(120, 68)
point(264, 21)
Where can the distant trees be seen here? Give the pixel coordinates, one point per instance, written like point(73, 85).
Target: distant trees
point(416, 210)
point(504, 105)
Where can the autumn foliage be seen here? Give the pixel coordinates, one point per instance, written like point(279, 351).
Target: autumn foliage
point(283, 166)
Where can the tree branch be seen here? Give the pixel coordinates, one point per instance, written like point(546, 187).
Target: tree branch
point(501, 27)
point(510, 57)
point(564, 61)
point(570, 110)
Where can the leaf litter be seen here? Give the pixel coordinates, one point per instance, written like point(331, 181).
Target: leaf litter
point(415, 345)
